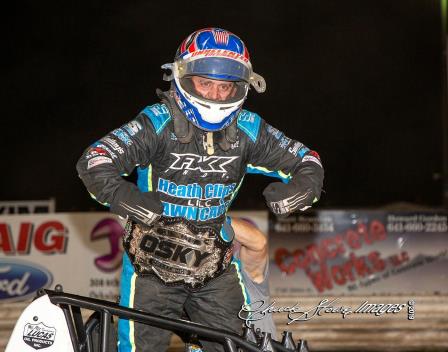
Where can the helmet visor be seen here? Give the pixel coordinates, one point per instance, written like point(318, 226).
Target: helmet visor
point(216, 68)
point(216, 91)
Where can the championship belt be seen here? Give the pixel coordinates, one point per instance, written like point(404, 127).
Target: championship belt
point(177, 251)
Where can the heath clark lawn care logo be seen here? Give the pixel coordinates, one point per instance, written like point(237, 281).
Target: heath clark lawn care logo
point(259, 309)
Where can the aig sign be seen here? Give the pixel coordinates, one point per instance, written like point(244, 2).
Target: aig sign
point(49, 237)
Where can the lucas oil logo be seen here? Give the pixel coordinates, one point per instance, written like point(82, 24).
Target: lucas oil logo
point(38, 336)
point(202, 163)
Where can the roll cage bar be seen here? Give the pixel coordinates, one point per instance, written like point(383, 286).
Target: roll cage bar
point(81, 333)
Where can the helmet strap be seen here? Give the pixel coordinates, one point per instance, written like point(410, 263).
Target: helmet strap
point(183, 129)
point(226, 137)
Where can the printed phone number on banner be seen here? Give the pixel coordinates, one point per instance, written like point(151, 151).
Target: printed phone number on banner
point(417, 223)
point(303, 227)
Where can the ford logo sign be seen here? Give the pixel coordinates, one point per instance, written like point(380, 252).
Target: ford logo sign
point(19, 280)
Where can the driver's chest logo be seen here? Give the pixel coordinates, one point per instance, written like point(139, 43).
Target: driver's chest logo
point(201, 163)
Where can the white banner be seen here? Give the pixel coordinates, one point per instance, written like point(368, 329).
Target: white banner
point(27, 206)
point(80, 251)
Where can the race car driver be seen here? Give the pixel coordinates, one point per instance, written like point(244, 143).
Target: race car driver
point(191, 152)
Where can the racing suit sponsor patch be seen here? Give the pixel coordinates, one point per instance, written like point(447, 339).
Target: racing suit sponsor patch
point(295, 148)
point(275, 132)
point(123, 136)
point(132, 127)
point(284, 142)
point(303, 151)
point(312, 158)
point(98, 160)
point(202, 163)
point(100, 149)
point(113, 144)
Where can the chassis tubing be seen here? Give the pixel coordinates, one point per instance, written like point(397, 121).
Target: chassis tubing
point(229, 340)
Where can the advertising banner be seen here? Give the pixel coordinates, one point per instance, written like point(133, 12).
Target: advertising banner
point(80, 251)
point(27, 207)
point(359, 252)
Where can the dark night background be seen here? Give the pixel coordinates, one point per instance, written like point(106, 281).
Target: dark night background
point(359, 81)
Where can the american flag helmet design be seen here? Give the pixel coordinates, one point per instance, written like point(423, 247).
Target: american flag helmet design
point(212, 38)
point(221, 36)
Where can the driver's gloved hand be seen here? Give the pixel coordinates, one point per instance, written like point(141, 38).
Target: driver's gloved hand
point(130, 203)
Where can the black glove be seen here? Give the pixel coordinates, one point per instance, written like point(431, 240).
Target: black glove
point(142, 207)
point(284, 199)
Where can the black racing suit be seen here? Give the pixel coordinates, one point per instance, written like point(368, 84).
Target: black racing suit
point(195, 182)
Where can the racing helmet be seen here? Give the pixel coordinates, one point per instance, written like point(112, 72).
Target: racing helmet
point(216, 54)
